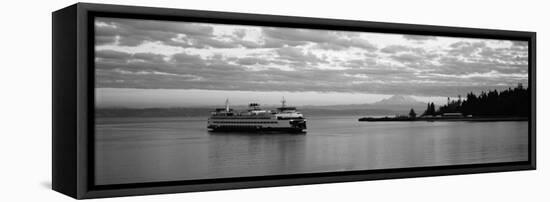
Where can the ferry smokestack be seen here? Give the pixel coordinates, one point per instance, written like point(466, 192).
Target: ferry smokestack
point(227, 105)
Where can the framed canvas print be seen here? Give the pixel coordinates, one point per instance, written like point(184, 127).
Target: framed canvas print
point(154, 100)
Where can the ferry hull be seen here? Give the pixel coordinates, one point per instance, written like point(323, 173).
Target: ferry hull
point(284, 126)
point(254, 129)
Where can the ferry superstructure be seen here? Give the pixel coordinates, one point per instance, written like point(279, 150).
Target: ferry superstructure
point(284, 118)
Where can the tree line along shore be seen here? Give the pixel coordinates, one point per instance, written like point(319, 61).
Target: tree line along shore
point(512, 104)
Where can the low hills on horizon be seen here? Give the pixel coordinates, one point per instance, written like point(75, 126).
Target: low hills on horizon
point(399, 102)
point(396, 104)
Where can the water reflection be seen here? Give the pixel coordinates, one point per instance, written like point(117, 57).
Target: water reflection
point(167, 149)
point(243, 154)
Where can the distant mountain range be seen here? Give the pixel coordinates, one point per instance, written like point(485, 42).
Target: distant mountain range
point(397, 104)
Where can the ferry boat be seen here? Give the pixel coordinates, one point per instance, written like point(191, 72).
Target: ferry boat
point(284, 118)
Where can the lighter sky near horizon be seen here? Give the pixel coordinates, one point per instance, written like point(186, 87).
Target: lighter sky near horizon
point(146, 63)
point(133, 98)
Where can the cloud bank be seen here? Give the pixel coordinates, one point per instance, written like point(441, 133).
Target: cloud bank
point(146, 54)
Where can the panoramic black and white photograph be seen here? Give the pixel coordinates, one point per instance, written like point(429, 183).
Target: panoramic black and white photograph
point(181, 101)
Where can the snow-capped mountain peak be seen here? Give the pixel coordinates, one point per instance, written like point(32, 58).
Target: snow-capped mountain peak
point(399, 100)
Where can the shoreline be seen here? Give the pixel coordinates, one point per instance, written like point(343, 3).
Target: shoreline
point(469, 119)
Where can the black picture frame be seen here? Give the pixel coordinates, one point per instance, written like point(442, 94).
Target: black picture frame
point(73, 100)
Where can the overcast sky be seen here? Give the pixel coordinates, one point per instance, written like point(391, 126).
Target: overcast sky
point(145, 63)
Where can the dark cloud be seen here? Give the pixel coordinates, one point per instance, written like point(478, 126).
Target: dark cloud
point(520, 43)
point(111, 54)
point(395, 49)
point(419, 37)
point(359, 63)
point(408, 58)
point(330, 40)
point(466, 49)
point(279, 43)
point(151, 57)
point(297, 55)
point(205, 42)
point(331, 46)
point(102, 40)
point(184, 58)
point(317, 36)
point(240, 33)
point(252, 61)
point(355, 42)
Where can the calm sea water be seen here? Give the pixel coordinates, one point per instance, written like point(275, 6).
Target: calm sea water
point(131, 150)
